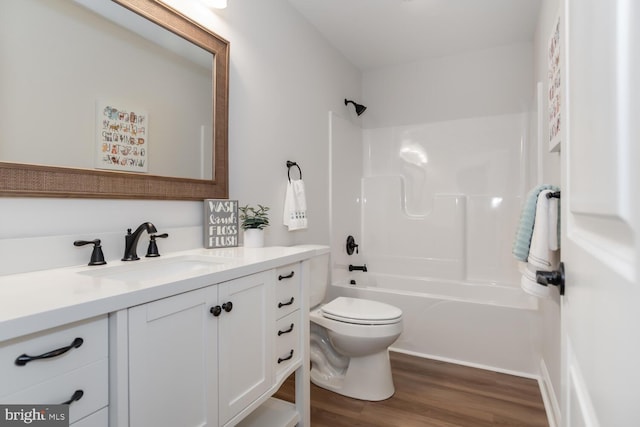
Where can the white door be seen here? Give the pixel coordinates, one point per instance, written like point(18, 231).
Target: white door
point(601, 220)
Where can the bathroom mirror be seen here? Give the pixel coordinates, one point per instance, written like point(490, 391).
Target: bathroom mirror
point(41, 113)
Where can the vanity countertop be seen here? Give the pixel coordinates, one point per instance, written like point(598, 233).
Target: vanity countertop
point(31, 302)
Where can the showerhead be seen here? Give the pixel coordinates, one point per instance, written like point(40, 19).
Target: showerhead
point(359, 107)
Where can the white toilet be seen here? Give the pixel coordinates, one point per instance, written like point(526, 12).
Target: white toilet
point(350, 338)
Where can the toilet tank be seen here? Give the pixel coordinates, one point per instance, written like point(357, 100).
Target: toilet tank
point(319, 279)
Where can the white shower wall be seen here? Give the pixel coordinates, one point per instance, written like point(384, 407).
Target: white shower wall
point(442, 199)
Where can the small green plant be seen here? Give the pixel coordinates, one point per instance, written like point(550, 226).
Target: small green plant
point(254, 217)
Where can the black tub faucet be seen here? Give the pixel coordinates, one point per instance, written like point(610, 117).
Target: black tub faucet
point(131, 240)
point(362, 268)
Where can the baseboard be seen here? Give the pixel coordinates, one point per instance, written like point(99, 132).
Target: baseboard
point(551, 404)
point(470, 364)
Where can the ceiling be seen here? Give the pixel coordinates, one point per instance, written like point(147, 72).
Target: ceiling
point(378, 33)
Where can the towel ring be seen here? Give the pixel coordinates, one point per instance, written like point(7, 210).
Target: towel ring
point(291, 164)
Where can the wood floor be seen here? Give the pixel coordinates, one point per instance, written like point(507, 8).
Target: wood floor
point(433, 393)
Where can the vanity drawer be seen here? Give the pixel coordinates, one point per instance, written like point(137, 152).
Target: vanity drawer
point(92, 380)
point(287, 289)
point(287, 340)
point(94, 335)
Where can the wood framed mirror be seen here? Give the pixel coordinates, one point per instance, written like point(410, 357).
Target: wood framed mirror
point(22, 179)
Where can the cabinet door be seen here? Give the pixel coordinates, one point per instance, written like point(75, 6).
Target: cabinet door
point(172, 360)
point(245, 347)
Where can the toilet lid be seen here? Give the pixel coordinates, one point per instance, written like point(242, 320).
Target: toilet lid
point(361, 311)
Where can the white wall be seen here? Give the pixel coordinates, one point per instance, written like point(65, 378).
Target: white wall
point(549, 173)
point(284, 79)
point(476, 84)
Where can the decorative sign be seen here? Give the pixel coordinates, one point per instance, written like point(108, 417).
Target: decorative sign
point(554, 89)
point(220, 223)
point(121, 138)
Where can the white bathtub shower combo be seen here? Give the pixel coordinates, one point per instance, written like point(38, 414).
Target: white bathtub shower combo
point(434, 208)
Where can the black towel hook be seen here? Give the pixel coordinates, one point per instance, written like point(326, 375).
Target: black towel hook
point(291, 164)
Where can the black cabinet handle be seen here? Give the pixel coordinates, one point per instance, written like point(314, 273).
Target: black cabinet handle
point(23, 359)
point(283, 359)
point(217, 310)
point(282, 304)
point(77, 395)
point(287, 331)
point(288, 276)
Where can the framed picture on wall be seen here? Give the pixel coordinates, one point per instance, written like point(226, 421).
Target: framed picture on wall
point(554, 88)
point(121, 138)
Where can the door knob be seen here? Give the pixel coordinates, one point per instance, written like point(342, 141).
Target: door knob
point(554, 277)
point(216, 310)
point(227, 306)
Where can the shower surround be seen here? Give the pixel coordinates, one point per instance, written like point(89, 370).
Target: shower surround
point(434, 208)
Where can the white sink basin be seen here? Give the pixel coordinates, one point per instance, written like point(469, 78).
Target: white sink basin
point(161, 268)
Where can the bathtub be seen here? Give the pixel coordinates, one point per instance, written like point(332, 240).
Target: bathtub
point(486, 325)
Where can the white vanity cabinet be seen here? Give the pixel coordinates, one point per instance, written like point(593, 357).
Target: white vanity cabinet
point(200, 358)
point(64, 364)
point(204, 347)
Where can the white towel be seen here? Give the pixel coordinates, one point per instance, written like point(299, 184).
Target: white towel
point(295, 206)
point(554, 242)
point(541, 256)
point(530, 285)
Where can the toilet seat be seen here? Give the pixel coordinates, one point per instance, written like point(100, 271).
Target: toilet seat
point(361, 311)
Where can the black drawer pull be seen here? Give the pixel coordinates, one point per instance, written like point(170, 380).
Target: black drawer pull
point(284, 359)
point(24, 359)
point(287, 331)
point(288, 276)
point(282, 304)
point(74, 398)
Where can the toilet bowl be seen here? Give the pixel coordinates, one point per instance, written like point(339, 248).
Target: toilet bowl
point(350, 338)
point(349, 347)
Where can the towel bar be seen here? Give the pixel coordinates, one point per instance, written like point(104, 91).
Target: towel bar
point(555, 278)
point(555, 194)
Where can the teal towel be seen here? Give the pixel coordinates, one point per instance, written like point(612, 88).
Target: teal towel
point(527, 219)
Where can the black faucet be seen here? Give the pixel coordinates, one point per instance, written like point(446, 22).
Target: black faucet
point(362, 268)
point(131, 241)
